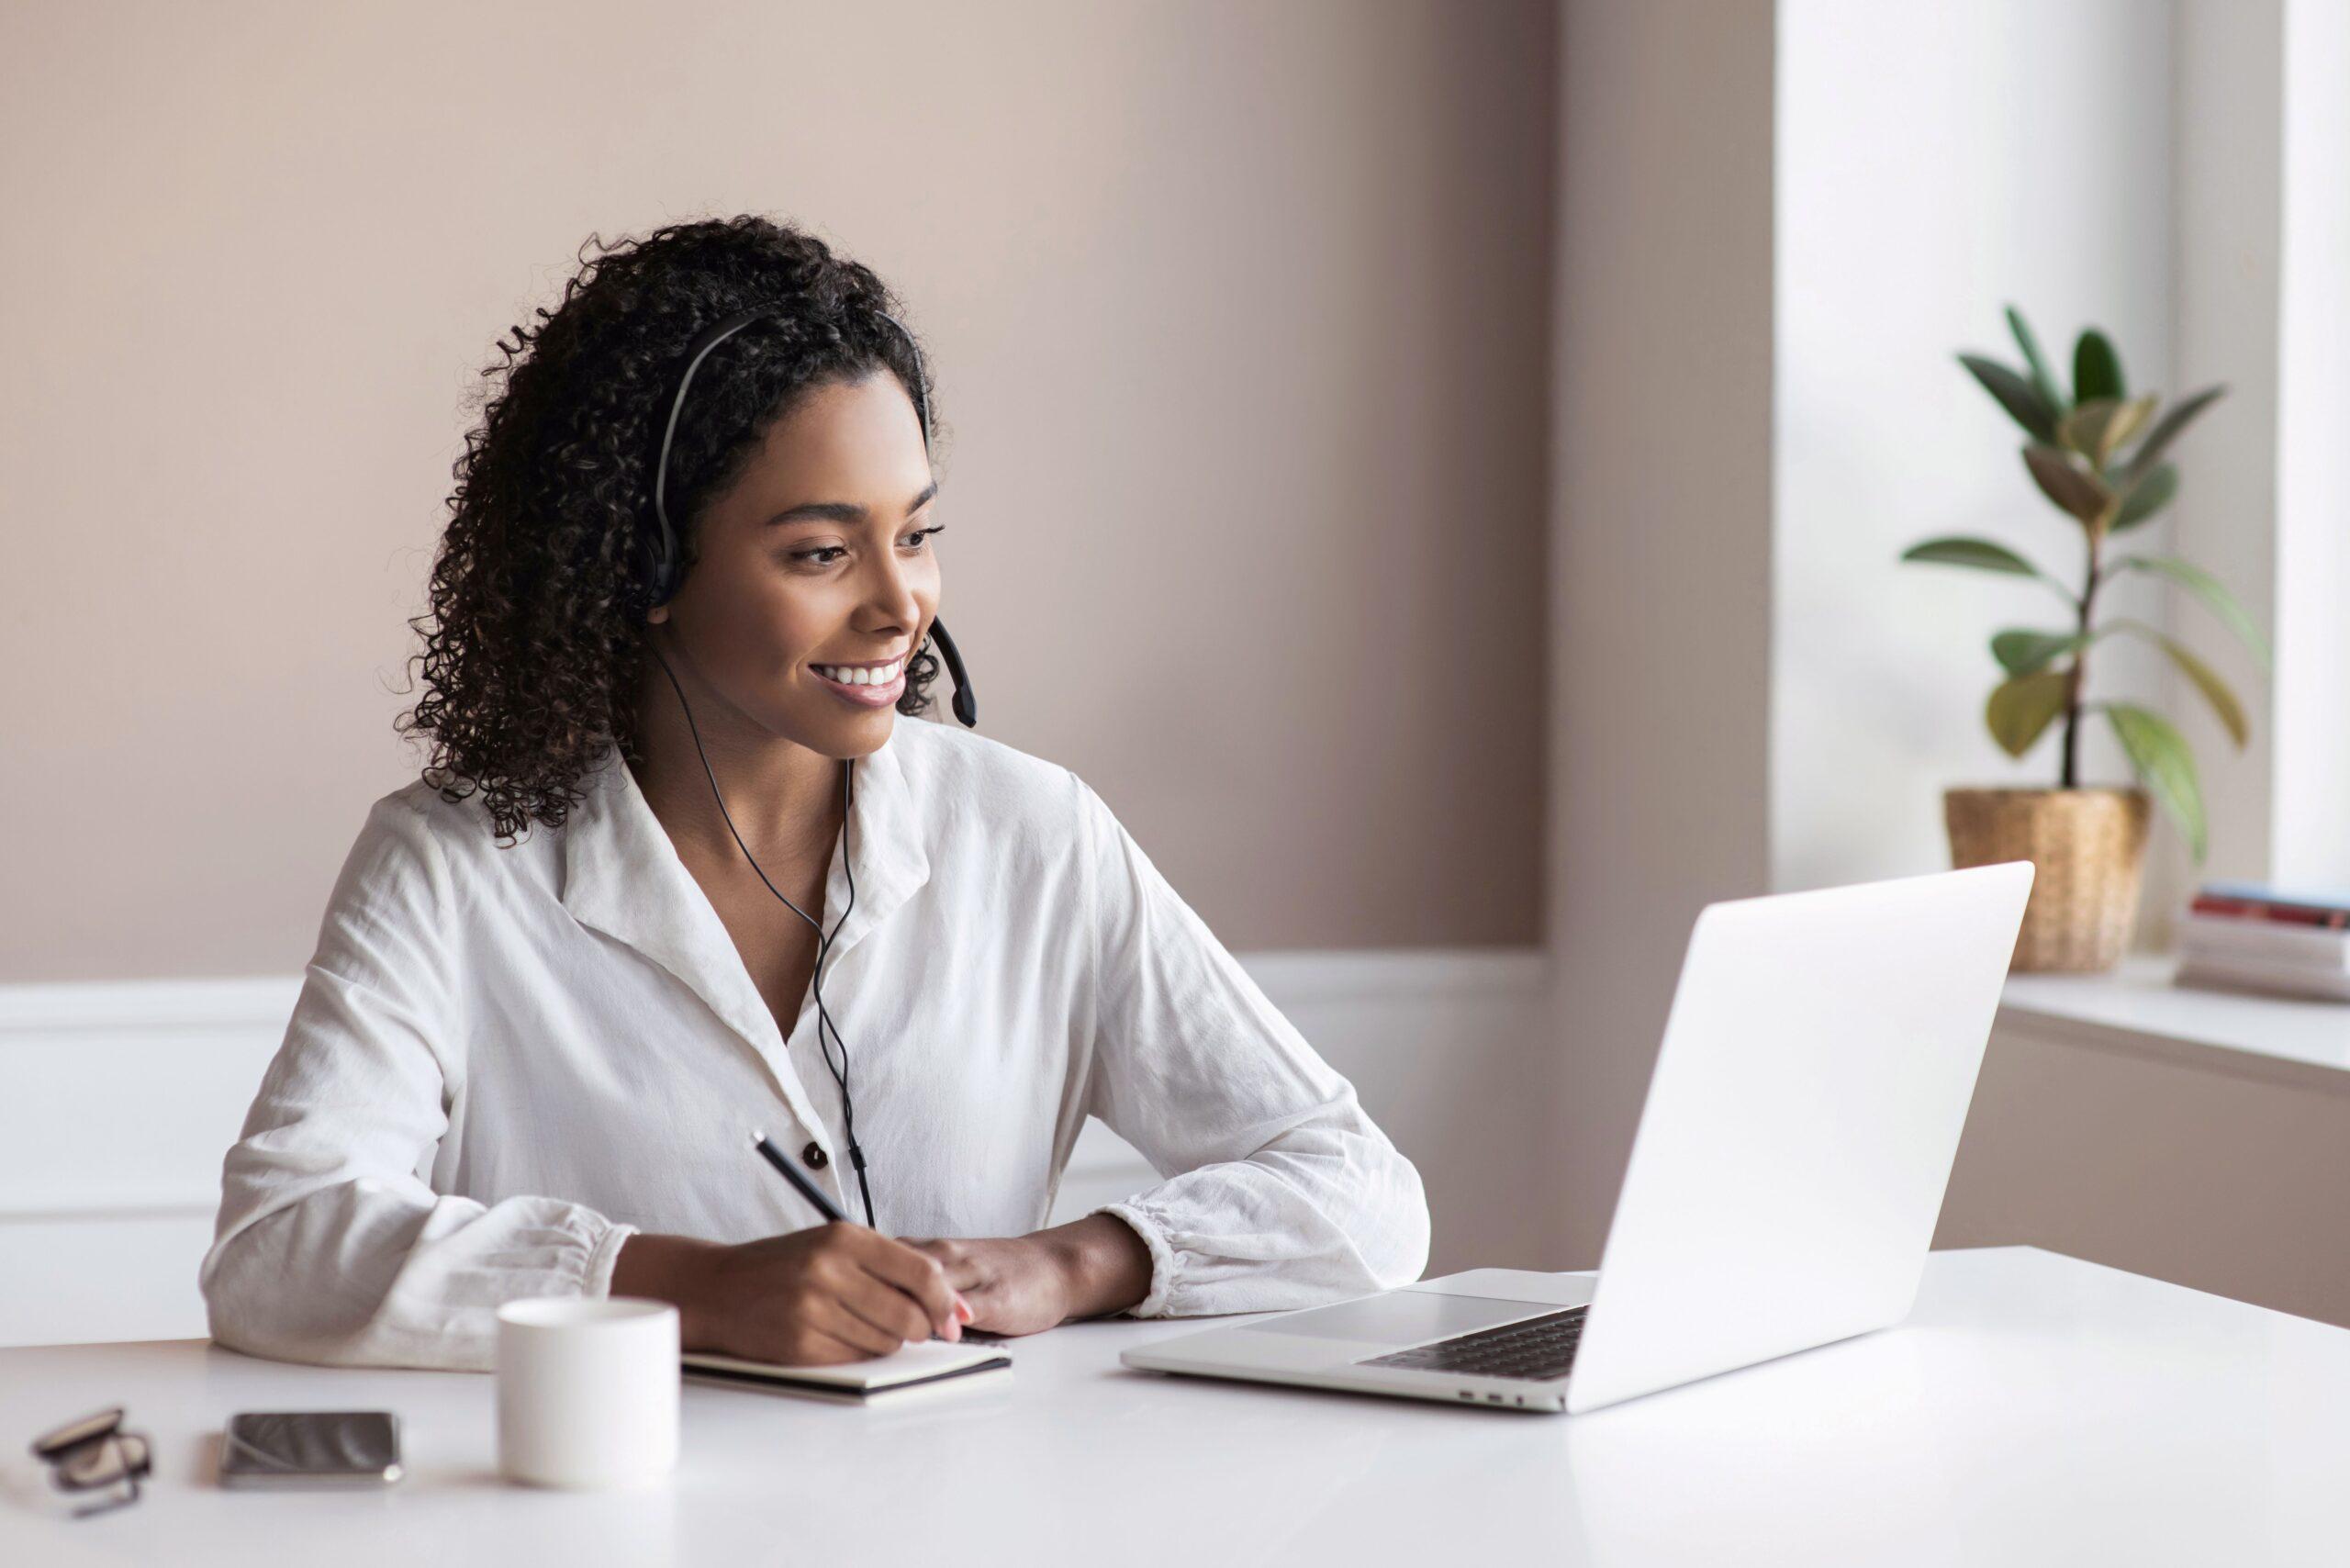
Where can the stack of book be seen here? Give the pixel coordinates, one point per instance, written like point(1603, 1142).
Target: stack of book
point(2254, 937)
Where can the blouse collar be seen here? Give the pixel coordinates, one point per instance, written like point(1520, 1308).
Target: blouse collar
point(623, 875)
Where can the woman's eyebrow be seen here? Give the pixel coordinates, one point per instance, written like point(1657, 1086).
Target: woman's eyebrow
point(844, 511)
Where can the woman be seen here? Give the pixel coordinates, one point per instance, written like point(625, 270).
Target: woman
point(567, 973)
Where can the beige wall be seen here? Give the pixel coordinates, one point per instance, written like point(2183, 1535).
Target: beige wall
point(1238, 320)
point(1660, 600)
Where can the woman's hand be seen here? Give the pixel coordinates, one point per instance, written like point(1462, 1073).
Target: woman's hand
point(815, 1297)
point(1024, 1284)
point(1013, 1284)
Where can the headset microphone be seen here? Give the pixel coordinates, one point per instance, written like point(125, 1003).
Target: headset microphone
point(966, 707)
point(665, 582)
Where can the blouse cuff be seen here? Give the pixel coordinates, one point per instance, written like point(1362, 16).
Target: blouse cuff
point(1162, 1257)
point(604, 1257)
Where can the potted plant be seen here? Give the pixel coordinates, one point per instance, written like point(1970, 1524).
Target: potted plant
point(2099, 455)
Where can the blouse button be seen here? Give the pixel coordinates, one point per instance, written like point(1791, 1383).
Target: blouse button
point(814, 1156)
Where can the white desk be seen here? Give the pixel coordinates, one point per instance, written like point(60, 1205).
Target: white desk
point(2034, 1409)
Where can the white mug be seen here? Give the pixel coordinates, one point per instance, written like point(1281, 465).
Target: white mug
point(587, 1391)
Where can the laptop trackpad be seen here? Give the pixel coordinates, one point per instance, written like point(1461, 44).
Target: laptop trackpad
point(1403, 1317)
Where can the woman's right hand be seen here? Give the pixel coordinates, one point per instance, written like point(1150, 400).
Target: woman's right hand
point(814, 1297)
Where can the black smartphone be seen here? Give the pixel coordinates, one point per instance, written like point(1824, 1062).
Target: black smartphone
point(301, 1449)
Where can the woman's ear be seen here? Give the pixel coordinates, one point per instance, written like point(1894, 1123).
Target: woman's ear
point(658, 613)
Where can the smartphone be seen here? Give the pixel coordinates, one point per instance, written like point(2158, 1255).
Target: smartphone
point(301, 1449)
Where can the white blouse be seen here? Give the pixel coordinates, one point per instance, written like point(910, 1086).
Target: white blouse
point(505, 1062)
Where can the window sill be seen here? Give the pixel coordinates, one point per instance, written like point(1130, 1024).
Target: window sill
point(2136, 1010)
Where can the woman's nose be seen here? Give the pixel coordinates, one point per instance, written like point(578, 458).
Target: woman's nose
point(892, 591)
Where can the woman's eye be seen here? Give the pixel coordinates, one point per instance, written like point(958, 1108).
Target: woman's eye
point(825, 554)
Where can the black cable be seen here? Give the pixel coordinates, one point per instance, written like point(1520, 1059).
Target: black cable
point(824, 944)
point(823, 1018)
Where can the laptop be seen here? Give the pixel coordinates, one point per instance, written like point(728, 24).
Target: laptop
point(1784, 1182)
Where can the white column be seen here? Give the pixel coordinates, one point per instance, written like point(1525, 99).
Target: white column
point(2228, 153)
point(2310, 837)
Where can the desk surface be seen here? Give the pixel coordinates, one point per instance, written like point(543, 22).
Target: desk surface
point(2033, 1409)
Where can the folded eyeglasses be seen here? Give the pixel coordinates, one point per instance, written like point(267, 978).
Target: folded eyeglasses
point(94, 1453)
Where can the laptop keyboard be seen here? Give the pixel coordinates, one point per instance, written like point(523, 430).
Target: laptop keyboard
point(1536, 1348)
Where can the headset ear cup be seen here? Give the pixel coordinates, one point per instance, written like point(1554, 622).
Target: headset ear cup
point(647, 566)
point(645, 593)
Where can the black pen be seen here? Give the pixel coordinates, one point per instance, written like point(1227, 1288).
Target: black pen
point(804, 1187)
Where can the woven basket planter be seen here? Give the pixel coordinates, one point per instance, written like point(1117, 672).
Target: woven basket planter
point(2088, 850)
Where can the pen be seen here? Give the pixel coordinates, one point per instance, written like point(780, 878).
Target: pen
point(804, 1187)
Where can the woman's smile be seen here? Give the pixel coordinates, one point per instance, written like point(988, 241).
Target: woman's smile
point(866, 684)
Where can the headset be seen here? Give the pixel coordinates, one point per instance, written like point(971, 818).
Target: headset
point(666, 575)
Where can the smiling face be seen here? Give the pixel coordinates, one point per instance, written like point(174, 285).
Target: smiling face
point(814, 579)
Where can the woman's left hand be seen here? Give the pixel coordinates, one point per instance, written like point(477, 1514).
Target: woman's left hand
point(1014, 1284)
point(1024, 1284)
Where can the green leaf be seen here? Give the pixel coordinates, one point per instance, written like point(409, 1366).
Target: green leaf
point(2020, 709)
point(2166, 430)
point(2043, 384)
point(1983, 556)
point(2073, 487)
point(1980, 553)
point(2021, 652)
point(2097, 369)
point(2098, 430)
point(2207, 588)
point(2217, 692)
point(2073, 430)
point(2146, 497)
point(2163, 761)
point(2015, 395)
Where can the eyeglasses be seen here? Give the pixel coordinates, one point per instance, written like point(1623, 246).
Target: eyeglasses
point(93, 1453)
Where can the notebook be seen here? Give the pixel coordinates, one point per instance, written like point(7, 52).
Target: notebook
point(928, 1365)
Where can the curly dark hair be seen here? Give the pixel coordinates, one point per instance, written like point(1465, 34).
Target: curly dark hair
point(535, 641)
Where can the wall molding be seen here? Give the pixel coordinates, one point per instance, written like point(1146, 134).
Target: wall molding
point(30, 1011)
